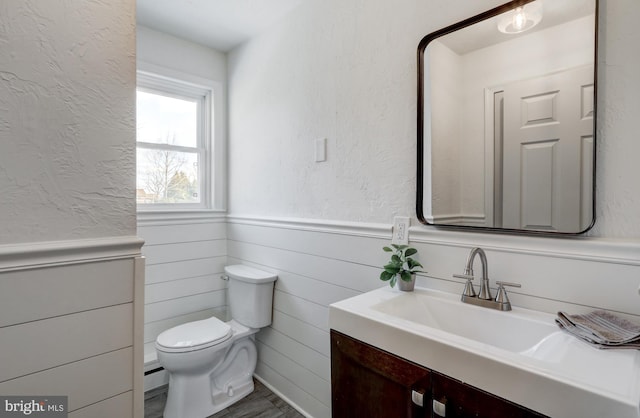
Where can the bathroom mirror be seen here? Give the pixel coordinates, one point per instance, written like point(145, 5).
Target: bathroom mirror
point(506, 119)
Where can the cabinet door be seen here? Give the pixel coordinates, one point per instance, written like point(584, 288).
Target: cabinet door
point(464, 401)
point(369, 382)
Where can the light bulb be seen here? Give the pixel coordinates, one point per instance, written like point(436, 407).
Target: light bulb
point(519, 19)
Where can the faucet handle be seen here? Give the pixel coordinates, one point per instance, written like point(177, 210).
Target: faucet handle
point(501, 284)
point(464, 276)
point(502, 297)
point(468, 287)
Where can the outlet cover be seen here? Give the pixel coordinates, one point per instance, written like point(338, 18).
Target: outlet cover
point(401, 230)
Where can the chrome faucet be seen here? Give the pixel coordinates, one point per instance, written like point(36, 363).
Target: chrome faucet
point(483, 298)
point(485, 291)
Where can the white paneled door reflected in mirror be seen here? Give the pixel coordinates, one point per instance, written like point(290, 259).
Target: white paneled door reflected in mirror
point(506, 119)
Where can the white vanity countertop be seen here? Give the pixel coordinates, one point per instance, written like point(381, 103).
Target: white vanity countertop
point(519, 355)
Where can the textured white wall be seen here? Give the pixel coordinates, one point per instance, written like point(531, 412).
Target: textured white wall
point(347, 71)
point(67, 174)
point(338, 70)
point(168, 51)
point(617, 146)
point(67, 135)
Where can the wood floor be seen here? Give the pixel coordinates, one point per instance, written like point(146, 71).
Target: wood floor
point(261, 403)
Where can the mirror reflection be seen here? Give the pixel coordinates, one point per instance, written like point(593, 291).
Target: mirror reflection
point(507, 119)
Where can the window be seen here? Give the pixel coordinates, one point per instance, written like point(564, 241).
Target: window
point(175, 144)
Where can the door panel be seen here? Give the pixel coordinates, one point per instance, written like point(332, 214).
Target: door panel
point(546, 123)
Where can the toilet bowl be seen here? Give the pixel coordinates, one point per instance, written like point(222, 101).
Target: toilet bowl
point(210, 362)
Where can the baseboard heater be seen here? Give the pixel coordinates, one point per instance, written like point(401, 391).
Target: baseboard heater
point(157, 369)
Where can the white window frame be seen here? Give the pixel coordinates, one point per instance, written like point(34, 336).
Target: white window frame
point(211, 141)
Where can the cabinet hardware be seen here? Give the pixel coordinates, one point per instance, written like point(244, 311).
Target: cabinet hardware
point(439, 408)
point(417, 397)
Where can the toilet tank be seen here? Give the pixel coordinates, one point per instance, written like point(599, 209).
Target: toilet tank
point(250, 295)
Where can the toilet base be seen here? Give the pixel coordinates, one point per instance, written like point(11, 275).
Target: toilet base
point(223, 400)
point(199, 396)
point(192, 402)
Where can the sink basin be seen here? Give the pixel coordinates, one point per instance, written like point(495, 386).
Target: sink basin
point(513, 331)
point(519, 355)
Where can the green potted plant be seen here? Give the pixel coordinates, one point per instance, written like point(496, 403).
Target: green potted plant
point(401, 268)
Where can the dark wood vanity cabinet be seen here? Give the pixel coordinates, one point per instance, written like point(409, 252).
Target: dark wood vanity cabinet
point(463, 401)
point(369, 382)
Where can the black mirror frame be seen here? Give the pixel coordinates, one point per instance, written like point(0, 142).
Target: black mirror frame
point(420, 131)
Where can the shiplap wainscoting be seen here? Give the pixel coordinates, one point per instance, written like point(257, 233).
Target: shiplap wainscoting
point(185, 259)
point(71, 324)
point(314, 270)
point(319, 263)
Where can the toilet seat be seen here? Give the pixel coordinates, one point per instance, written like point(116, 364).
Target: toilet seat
point(193, 336)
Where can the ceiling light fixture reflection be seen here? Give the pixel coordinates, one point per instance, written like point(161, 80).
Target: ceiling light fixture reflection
point(521, 18)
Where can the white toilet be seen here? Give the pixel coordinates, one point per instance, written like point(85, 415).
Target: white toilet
point(210, 362)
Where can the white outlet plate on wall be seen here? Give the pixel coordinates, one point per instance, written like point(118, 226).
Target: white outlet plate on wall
point(401, 230)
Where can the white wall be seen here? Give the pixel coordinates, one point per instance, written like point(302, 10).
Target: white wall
point(170, 52)
point(344, 71)
point(67, 164)
point(617, 194)
point(347, 71)
point(69, 259)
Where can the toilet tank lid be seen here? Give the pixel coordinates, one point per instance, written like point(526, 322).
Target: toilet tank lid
point(249, 274)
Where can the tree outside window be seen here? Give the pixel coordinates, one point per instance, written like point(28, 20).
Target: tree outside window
point(171, 144)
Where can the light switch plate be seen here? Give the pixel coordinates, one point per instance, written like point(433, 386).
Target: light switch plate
point(321, 150)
